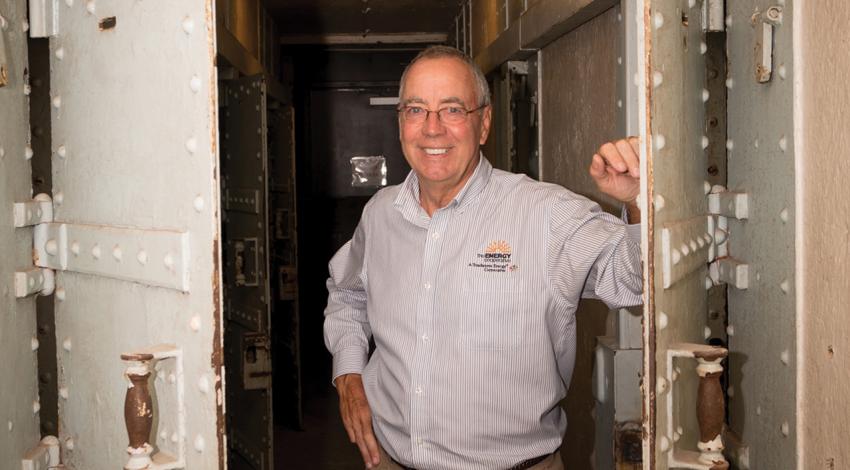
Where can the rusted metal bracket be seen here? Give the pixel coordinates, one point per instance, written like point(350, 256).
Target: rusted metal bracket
point(710, 408)
point(138, 409)
point(4, 61)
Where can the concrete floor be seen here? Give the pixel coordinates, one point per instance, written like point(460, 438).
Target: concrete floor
point(323, 443)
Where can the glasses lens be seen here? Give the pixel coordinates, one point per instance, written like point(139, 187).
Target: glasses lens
point(453, 115)
point(414, 113)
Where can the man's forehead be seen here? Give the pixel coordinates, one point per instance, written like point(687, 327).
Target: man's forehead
point(453, 83)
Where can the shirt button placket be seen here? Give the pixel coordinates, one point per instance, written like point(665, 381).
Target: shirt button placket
point(424, 323)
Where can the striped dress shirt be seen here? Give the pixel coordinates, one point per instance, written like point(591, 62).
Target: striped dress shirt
point(472, 311)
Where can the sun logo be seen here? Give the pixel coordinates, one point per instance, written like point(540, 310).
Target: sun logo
point(498, 246)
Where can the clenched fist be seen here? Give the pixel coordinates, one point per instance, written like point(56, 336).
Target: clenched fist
point(616, 170)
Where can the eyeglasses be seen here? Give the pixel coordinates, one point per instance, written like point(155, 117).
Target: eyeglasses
point(449, 115)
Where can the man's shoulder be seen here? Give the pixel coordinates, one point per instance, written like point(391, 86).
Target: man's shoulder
point(383, 200)
point(524, 190)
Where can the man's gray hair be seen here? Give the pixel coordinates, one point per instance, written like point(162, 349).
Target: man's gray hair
point(482, 89)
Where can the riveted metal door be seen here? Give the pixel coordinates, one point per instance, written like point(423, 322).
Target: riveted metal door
point(136, 220)
point(19, 421)
point(722, 234)
point(247, 342)
point(674, 50)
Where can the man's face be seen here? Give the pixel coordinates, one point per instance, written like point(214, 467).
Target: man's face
point(442, 155)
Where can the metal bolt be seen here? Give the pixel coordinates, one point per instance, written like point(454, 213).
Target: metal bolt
point(95, 251)
point(663, 320)
point(657, 79)
point(90, 7)
point(661, 385)
point(188, 25)
point(660, 141)
point(192, 145)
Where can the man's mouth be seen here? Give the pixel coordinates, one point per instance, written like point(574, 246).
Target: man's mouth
point(435, 151)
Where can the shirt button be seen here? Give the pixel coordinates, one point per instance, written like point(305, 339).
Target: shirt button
point(435, 235)
point(418, 390)
point(419, 442)
point(425, 338)
point(427, 285)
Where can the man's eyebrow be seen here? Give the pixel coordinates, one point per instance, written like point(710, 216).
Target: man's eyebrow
point(453, 99)
point(413, 99)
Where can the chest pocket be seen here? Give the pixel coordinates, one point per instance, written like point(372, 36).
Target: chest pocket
point(493, 317)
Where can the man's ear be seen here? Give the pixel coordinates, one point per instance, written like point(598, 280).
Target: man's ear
point(486, 118)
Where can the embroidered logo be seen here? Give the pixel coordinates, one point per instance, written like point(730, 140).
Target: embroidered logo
point(496, 258)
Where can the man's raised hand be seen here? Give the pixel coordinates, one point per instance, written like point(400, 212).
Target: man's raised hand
point(615, 168)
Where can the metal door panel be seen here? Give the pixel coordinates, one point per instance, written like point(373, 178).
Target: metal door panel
point(286, 321)
point(246, 276)
point(762, 319)
point(19, 420)
point(134, 135)
point(676, 163)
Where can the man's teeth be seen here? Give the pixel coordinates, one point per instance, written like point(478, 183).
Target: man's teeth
point(436, 151)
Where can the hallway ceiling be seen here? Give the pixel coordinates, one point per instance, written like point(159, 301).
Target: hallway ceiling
point(320, 17)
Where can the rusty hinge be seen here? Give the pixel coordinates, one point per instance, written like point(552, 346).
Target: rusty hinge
point(147, 256)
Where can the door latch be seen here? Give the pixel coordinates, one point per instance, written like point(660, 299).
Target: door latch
point(139, 410)
point(710, 408)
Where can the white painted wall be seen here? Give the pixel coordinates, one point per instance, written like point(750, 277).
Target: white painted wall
point(822, 137)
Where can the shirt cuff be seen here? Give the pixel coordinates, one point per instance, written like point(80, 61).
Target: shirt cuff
point(633, 231)
point(351, 360)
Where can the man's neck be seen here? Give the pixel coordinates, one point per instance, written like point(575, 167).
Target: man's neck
point(435, 196)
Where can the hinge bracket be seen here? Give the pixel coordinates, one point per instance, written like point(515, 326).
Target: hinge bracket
point(687, 245)
point(44, 18)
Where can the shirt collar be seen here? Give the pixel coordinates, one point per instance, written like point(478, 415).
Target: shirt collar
point(407, 201)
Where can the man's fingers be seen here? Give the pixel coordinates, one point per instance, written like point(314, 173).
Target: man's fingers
point(361, 444)
point(630, 157)
point(369, 440)
point(597, 168)
point(611, 154)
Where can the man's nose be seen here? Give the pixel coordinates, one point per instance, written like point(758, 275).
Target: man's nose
point(432, 124)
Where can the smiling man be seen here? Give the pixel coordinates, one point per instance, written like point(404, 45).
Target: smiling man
point(467, 278)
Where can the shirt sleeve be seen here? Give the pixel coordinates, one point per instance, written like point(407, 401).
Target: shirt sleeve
point(346, 327)
point(594, 255)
